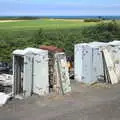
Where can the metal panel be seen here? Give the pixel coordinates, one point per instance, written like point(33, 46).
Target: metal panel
point(114, 52)
point(87, 68)
point(110, 67)
point(40, 74)
point(98, 71)
point(83, 63)
point(63, 72)
point(57, 86)
point(13, 86)
point(78, 62)
point(27, 81)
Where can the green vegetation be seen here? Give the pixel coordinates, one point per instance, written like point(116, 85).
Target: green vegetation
point(92, 20)
point(62, 33)
point(19, 18)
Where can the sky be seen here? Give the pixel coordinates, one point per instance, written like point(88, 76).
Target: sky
point(59, 7)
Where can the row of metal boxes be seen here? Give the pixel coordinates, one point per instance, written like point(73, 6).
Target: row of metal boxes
point(90, 61)
point(39, 71)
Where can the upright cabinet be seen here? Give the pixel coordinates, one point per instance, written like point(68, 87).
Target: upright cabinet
point(30, 70)
point(88, 62)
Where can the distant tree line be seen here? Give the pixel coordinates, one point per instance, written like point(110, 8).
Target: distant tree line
point(19, 18)
point(92, 20)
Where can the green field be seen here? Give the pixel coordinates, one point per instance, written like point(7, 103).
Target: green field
point(61, 33)
point(50, 24)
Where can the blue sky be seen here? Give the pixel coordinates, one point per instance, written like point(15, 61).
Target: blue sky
point(59, 7)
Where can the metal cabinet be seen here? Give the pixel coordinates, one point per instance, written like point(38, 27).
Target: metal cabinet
point(88, 62)
point(30, 71)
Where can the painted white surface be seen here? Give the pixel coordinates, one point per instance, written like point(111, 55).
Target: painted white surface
point(6, 79)
point(114, 51)
point(86, 71)
point(28, 51)
point(110, 67)
point(63, 72)
point(88, 62)
point(3, 98)
point(27, 78)
point(115, 43)
point(34, 72)
point(40, 74)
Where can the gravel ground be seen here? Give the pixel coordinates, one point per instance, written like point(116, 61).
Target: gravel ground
point(97, 102)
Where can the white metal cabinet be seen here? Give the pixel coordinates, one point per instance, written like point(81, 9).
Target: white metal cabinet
point(88, 62)
point(34, 75)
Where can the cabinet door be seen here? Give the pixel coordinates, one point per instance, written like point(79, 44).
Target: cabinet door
point(63, 72)
point(40, 74)
point(78, 63)
point(27, 81)
point(87, 68)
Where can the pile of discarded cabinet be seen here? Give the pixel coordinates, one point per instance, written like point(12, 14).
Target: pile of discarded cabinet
point(37, 71)
point(44, 71)
point(40, 72)
point(97, 61)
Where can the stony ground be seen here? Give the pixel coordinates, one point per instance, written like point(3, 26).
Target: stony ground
point(97, 102)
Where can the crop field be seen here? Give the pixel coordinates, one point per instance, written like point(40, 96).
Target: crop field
point(63, 33)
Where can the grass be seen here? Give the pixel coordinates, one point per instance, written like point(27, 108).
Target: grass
point(43, 23)
point(61, 33)
point(22, 34)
